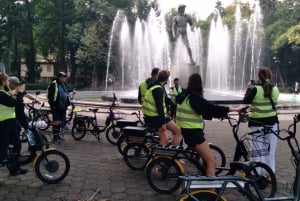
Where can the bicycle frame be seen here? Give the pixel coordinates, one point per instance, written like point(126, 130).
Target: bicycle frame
point(227, 179)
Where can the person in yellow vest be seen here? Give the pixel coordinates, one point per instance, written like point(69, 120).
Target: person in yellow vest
point(176, 89)
point(58, 99)
point(154, 107)
point(191, 111)
point(8, 132)
point(144, 85)
point(263, 97)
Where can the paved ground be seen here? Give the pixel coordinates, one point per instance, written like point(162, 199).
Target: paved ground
point(97, 167)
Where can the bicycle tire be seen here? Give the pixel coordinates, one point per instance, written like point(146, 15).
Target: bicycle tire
point(203, 195)
point(46, 167)
point(219, 156)
point(78, 130)
point(264, 178)
point(121, 144)
point(162, 175)
point(112, 134)
point(27, 158)
point(136, 155)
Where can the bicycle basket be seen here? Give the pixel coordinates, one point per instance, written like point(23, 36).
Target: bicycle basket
point(256, 145)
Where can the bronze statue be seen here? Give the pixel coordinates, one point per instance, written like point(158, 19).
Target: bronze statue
point(179, 27)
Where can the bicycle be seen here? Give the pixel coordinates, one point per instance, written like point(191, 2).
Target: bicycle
point(168, 162)
point(82, 124)
point(39, 114)
point(50, 165)
point(240, 153)
point(114, 135)
point(243, 183)
point(123, 139)
point(71, 112)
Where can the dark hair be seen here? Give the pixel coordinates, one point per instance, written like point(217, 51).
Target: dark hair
point(195, 84)
point(154, 72)
point(163, 75)
point(265, 76)
point(3, 77)
point(176, 79)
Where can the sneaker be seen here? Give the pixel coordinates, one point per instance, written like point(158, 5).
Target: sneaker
point(19, 171)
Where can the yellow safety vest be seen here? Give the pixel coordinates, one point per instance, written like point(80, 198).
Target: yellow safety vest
point(149, 106)
point(143, 89)
point(176, 92)
point(261, 106)
point(186, 117)
point(55, 91)
point(6, 112)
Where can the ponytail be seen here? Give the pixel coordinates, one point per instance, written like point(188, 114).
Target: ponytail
point(265, 75)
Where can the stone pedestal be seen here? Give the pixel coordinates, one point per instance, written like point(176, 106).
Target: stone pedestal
point(183, 71)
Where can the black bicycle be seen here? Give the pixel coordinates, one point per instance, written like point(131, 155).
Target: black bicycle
point(83, 124)
point(168, 162)
point(50, 165)
point(114, 135)
point(39, 114)
point(248, 185)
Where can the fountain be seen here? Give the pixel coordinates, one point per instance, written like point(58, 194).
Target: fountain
point(218, 55)
point(231, 61)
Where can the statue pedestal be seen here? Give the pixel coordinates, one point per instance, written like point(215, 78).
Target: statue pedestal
point(183, 71)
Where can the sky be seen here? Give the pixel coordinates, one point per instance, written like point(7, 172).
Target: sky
point(201, 7)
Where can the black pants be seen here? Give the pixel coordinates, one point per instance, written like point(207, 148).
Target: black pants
point(9, 135)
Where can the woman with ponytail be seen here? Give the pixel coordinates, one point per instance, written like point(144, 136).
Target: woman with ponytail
point(262, 97)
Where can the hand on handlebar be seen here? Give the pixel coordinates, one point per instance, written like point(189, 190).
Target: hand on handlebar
point(296, 117)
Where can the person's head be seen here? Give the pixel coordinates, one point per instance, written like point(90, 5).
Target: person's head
point(3, 80)
point(163, 77)
point(13, 82)
point(265, 78)
point(176, 81)
point(62, 77)
point(195, 84)
point(154, 73)
point(181, 8)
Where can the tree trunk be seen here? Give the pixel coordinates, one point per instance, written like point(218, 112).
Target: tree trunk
point(94, 76)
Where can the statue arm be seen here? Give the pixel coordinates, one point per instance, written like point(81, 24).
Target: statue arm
point(189, 20)
point(174, 27)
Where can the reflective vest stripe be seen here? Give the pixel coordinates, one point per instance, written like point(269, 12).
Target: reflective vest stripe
point(261, 106)
point(186, 117)
point(149, 105)
point(143, 90)
point(6, 112)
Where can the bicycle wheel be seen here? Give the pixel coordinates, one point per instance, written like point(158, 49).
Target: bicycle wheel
point(112, 134)
point(121, 144)
point(202, 195)
point(264, 178)
point(52, 166)
point(136, 155)
point(78, 130)
point(162, 175)
point(219, 156)
point(26, 156)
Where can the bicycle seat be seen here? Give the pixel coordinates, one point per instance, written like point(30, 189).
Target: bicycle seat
point(93, 110)
point(123, 122)
point(134, 131)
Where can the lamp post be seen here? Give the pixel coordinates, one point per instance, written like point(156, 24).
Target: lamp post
point(276, 62)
